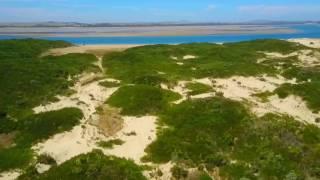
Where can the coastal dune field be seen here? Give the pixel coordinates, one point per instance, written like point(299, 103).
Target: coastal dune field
point(245, 110)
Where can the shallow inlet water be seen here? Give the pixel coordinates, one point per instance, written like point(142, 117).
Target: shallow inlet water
point(302, 31)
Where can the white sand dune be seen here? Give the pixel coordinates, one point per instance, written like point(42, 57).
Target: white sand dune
point(244, 88)
point(306, 58)
point(87, 97)
point(82, 138)
point(134, 145)
point(12, 175)
point(186, 57)
point(292, 105)
point(313, 43)
point(174, 57)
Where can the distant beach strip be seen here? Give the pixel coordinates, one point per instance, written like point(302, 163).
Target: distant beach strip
point(163, 35)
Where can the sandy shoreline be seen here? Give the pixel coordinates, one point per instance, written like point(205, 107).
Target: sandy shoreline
point(99, 49)
point(143, 31)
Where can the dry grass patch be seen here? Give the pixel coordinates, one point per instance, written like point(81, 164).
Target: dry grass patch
point(109, 121)
point(6, 140)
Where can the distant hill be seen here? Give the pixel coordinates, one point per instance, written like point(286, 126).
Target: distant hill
point(182, 23)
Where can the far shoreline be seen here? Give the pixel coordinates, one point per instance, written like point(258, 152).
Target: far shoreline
point(153, 31)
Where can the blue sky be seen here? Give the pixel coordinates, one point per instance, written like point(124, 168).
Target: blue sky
point(157, 10)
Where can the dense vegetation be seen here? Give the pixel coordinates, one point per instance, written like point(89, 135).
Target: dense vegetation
point(141, 99)
point(109, 84)
point(154, 64)
point(94, 165)
point(212, 60)
point(110, 144)
point(32, 129)
point(217, 132)
point(27, 48)
point(27, 80)
point(197, 88)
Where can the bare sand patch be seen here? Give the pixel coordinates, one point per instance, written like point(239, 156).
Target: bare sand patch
point(41, 168)
point(244, 89)
point(186, 57)
point(174, 57)
point(204, 95)
point(10, 175)
point(313, 43)
point(88, 97)
point(279, 55)
point(134, 145)
point(64, 146)
point(82, 138)
point(241, 88)
point(306, 58)
point(292, 105)
point(165, 170)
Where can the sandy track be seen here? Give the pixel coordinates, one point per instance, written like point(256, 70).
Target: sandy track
point(81, 138)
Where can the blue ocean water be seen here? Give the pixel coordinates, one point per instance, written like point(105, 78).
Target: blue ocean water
point(302, 31)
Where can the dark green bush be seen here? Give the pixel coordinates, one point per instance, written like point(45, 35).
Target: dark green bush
point(141, 99)
point(94, 165)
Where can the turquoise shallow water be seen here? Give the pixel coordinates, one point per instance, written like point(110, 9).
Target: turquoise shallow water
point(303, 31)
